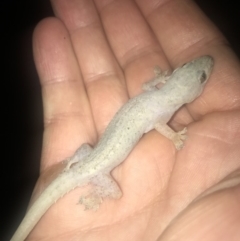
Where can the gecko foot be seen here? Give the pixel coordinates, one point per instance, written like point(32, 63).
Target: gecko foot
point(179, 138)
point(91, 201)
point(162, 74)
point(103, 187)
point(161, 77)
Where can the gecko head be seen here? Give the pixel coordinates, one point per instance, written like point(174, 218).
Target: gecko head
point(196, 74)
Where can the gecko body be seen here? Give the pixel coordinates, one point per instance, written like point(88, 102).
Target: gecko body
point(151, 109)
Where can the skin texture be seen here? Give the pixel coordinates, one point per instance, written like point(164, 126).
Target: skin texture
point(91, 58)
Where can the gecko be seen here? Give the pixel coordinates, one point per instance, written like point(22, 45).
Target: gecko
point(152, 109)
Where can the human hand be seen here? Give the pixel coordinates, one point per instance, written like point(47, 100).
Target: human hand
point(90, 60)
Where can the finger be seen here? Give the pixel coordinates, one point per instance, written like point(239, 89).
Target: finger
point(132, 41)
point(67, 114)
point(102, 75)
point(184, 33)
point(134, 44)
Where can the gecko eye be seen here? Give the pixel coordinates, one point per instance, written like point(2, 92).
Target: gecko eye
point(203, 77)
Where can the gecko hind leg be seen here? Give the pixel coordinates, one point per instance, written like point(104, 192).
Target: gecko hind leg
point(79, 156)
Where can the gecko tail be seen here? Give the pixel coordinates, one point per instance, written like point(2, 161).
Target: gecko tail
point(48, 197)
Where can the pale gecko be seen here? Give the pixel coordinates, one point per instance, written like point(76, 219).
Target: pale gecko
point(149, 110)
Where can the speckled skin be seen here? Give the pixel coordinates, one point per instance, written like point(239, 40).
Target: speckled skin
point(151, 109)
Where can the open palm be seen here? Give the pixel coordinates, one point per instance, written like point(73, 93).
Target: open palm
point(91, 59)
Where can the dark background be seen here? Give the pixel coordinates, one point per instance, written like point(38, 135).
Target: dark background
point(22, 104)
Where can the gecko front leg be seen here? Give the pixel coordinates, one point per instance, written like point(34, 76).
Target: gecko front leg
point(161, 78)
point(176, 137)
